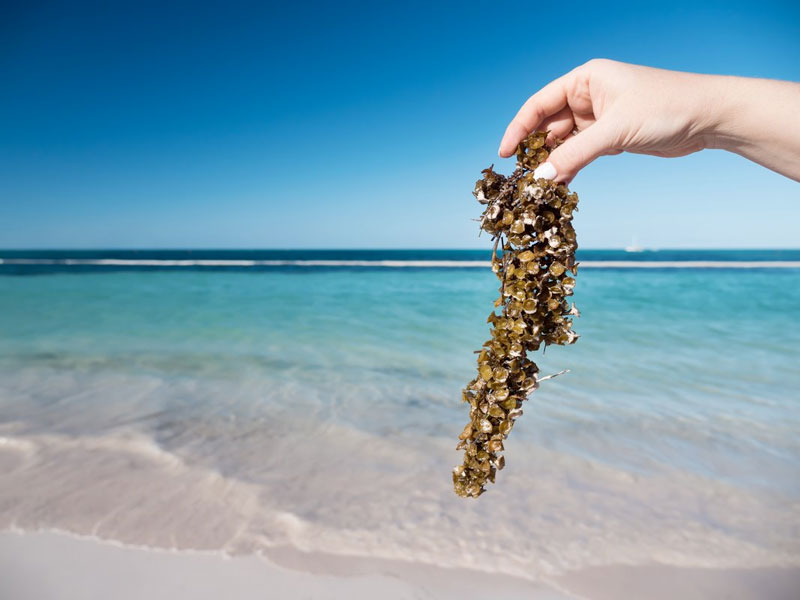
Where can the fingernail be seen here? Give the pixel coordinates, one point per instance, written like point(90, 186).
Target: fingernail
point(545, 171)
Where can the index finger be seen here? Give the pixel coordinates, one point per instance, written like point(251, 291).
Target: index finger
point(544, 103)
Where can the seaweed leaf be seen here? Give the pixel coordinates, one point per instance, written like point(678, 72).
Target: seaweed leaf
point(531, 222)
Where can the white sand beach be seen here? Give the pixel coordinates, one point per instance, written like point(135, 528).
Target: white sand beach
point(49, 565)
point(57, 566)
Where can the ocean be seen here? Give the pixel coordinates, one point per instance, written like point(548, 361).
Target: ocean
point(247, 401)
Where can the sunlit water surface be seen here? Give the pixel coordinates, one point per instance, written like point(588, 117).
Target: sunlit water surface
point(319, 408)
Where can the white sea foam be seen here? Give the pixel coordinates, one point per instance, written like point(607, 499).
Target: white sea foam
point(290, 473)
point(398, 264)
point(115, 487)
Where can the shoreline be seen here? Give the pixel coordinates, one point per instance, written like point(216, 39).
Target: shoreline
point(65, 566)
point(53, 564)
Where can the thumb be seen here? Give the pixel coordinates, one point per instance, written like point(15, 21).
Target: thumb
point(577, 152)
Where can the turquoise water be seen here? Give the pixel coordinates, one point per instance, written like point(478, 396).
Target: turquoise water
point(331, 396)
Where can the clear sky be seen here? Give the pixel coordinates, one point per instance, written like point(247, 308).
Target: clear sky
point(351, 124)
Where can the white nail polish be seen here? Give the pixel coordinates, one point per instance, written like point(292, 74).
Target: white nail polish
point(545, 171)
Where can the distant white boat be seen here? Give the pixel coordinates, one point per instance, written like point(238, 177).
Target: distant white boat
point(634, 247)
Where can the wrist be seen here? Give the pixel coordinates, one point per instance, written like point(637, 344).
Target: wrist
point(721, 123)
point(757, 119)
point(738, 124)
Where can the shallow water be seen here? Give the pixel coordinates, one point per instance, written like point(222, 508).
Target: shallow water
point(244, 410)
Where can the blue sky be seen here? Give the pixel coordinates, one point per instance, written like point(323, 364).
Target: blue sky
point(351, 124)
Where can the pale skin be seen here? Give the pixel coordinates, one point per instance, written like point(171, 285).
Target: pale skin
point(607, 107)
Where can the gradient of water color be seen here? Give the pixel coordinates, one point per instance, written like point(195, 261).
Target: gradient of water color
point(318, 407)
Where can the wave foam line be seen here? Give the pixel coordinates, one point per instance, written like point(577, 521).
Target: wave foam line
point(448, 264)
point(146, 262)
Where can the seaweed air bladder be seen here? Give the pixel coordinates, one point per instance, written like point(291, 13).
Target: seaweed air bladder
point(530, 221)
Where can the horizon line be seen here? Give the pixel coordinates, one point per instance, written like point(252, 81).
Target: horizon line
point(374, 249)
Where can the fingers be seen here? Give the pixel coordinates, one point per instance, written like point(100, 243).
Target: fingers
point(560, 125)
point(579, 150)
point(544, 103)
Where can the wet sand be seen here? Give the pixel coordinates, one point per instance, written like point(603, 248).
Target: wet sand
point(661, 582)
point(49, 565)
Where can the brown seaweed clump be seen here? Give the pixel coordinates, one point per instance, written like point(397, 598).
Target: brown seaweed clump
point(530, 221)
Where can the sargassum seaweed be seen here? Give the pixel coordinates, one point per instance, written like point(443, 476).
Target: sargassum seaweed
point(530, 221)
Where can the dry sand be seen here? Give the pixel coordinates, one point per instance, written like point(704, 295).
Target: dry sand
point(49, 565)
point(52, 566)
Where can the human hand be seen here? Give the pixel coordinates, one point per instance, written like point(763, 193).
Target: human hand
point(607, 107)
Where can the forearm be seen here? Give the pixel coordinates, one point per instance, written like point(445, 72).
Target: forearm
point(758, 119)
